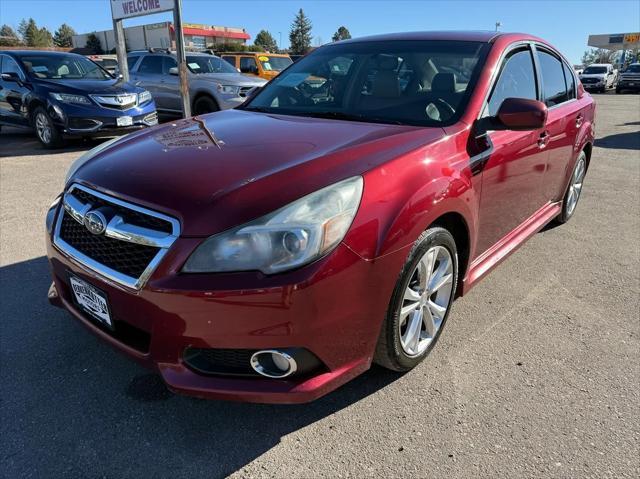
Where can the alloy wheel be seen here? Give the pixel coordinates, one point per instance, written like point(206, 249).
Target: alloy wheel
point(576, 186)
point(426, 300)
point(43, 128)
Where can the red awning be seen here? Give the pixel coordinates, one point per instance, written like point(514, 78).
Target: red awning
point(214, 33)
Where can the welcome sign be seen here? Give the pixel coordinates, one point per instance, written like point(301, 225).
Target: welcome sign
point(134, 8)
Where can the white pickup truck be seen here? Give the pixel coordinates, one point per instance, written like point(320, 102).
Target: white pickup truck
point(599, 77)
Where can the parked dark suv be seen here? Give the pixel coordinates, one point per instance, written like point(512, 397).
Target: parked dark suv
point(61, 94)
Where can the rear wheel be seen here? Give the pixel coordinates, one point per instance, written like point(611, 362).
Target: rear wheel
point(574, 189)
point(46, 131)
point(205, 104)
point(420, 302)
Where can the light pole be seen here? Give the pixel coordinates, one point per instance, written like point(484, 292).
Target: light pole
point(280, 42)
point(498, 25)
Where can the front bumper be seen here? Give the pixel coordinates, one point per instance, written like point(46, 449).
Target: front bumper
point(334, 308)
point(96, 121)
point(628, 85)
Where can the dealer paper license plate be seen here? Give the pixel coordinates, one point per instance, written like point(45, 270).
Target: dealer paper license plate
point(124, 121)
point(91, 299)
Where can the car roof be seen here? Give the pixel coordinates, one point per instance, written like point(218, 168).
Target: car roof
point(471, 36)
point(19, 53)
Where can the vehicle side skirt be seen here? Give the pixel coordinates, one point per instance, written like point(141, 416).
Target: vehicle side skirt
point(491, 258)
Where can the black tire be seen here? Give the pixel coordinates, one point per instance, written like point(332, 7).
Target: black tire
point(568, 210)
point(204, 105)
point(42, 122)
point(389, 350)
point(618, 91)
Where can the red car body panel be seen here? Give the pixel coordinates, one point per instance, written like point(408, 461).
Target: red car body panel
point(219, 171)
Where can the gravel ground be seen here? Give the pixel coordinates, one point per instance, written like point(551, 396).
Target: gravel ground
point(536, 375)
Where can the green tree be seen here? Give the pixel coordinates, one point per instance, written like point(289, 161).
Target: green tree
point(8, 37)
point(62, 37)
point(32, 36)
point(599, 55)
point(300, 34)
point(341, 34)
point(93, 44)
point(265, 40)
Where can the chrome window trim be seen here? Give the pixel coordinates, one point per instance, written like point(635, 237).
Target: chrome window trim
point(116, 229)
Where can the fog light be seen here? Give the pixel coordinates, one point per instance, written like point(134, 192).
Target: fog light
point(273, 364)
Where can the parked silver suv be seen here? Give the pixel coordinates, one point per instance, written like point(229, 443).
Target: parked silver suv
point(213, 83)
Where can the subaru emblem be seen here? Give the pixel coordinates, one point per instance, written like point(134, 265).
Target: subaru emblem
point(95, 222)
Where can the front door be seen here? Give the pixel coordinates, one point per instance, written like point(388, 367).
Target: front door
point(512, 178)
point(13, 89)
point(149, 74)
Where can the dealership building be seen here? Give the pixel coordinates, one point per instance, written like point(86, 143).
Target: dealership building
point(162, 35)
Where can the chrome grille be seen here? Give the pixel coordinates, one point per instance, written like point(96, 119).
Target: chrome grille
point(130, 245)
point(122, 101)
point(244, 90)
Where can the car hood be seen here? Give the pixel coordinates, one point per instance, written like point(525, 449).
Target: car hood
point(230, 79)
point(111, 86)
point(229, 167)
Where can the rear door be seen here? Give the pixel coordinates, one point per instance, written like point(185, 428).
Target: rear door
point(12, 106)
point(563, 121)
point(512, 176)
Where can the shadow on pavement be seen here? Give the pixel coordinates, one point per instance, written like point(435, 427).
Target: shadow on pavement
point(72, 406)
point(621, 141)
point(23, 142)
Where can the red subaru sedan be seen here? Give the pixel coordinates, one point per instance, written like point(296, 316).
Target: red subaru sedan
point(271, 253)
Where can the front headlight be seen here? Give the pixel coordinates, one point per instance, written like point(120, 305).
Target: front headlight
point(229, 89)
point(87, 156)
point(143, 97)
point(285, 239)
point(69, 98)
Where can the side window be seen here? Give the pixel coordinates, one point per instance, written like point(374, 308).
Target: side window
point(151, 65)
point(131, 61)
point(555, 90)
point(517, 80)
point(169, 62)
point(248, 65)
point(571, 81)
point(230, 60)
point(9, 65)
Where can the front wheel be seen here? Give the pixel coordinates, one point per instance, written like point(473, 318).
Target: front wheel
point(420, 302)
point(574, 189)
point(204, 105)
point(46, 131)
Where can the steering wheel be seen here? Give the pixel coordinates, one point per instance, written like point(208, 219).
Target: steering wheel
point(445, 110)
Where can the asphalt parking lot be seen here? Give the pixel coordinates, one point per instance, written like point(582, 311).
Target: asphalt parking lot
point(536, 375)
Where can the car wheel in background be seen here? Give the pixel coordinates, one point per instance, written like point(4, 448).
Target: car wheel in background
point(574, 189)
point(205, 104)
point(420, 302)
point(46, 131)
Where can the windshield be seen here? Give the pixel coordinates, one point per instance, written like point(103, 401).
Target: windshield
point(209, 64)
point(274, 63)
point(63, 67)
point(633, 69)
point(401, 82)
point(594, 70)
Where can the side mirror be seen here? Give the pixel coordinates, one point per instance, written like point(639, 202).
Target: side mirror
point(173, 71)
point(12, 77)
point(521, 114)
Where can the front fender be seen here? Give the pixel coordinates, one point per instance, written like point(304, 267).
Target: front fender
point(402, 198)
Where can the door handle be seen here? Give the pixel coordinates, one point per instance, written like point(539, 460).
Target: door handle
point(543, 140)
point(579, 120)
